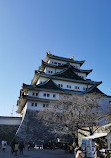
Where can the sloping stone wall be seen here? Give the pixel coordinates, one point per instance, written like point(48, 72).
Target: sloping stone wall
point(33, 129)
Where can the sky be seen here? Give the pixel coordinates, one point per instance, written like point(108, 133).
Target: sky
point(30, 28)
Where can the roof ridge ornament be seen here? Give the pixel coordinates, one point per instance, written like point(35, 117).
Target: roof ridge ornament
point(72, 57)
point(49, 52)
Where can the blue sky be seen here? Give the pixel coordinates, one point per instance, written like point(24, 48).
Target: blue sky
point(30, 28)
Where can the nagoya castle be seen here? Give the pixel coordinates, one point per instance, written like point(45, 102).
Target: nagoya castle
point(56, 75)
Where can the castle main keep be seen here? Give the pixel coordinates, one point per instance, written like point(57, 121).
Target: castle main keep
point(56, 75)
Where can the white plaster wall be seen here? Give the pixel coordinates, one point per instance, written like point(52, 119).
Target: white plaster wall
point(41, 95)
point(47, 69)
point(30, 93)
point(9, 121)
point(82, 74)
point(80, 85)
point(35, 108)
point(41, 79)
point(51, 61)
point(24, 112)
point(65, 83)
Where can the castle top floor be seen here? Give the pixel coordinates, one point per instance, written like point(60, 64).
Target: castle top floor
point(58, 61)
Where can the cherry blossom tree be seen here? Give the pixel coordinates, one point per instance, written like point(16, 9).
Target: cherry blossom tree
point(72, 112)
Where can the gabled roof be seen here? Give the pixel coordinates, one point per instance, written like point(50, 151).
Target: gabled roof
point(68, 73)
point(94, 89)
point(60, 77)
point(44, 64)
point(49, 84)
point(49, 55)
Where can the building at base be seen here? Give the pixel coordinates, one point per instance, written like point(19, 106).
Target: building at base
point(8, 127)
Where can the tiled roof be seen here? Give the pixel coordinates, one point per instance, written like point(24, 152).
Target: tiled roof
point(63, 59)
point(94, 89)
point(49, 84)
point(44, 64)
point(68, 73)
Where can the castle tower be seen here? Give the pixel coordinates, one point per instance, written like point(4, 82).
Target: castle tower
point(56, 75)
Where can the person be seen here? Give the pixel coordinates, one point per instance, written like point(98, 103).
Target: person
point(16, 148)
point(33, 145)
point(12, 147)
point(66, 147)
point(53, 146)
point(107, 154)
point(71, 149)
point(28, 145)
point(76, 149)
point(21, 147)
point(97, 152)
point(3, 146)
point(80, 154)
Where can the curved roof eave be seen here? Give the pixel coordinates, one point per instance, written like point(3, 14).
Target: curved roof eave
point(41, 68)
point(63, 59)
point(95, 90)
point(49, 84)
point(68, 79)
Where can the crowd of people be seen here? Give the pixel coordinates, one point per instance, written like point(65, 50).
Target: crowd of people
point(79, 153)
point(17, 147)
point(75, 150)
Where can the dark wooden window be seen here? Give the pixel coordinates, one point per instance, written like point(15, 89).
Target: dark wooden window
point(44, 94)
point(68, 86)
point(48, 95)
point(43, 105)
point(36, 94)
point(35, 104)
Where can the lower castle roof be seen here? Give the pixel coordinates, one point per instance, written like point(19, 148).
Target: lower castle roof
point(49, 85)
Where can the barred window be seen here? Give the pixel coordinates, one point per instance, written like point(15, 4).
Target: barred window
point(35, 104)
point(54, 95)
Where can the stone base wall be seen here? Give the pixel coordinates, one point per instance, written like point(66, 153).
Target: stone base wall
point(33, 129)
point(7, 132)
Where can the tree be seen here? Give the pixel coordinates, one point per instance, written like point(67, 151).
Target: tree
point(108, 117)
point(73, 112)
